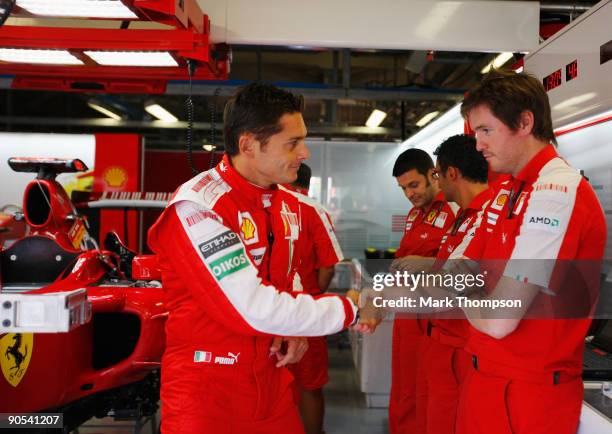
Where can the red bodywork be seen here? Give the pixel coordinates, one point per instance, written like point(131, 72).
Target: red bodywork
point(126, 314)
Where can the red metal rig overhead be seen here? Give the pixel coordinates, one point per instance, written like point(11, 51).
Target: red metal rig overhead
point(189, 38)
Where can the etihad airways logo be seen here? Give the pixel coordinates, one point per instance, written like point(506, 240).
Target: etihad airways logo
point(218, 243)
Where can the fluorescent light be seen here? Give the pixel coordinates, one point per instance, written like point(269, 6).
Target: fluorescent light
point(49, 57)
point(78, 8)
point(376, 118)
point(208, 147)
point(104, 110)
point(575, 100)
point(427, 118)
point(430, 137)
point(132, 58)
point(160, 113)
point(497, 62)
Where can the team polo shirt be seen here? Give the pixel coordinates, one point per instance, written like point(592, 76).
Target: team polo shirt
point(319, 246)
point(425, 228)
point(547, 213)
point(467, 220)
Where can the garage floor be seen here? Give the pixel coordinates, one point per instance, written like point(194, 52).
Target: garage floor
point(345, 404)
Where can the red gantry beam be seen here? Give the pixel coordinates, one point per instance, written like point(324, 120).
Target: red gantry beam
point(188, 40)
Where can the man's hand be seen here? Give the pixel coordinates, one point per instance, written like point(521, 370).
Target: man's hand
point(412, 264)
point(288, 350)
point(369, 315)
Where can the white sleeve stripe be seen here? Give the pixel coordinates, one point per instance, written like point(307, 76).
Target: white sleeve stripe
point(331, 234)
point(262, 307)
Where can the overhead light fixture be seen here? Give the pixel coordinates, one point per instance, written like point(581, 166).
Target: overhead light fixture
point(78, 8)
point(159, 112)
point(376, 118)
point(104, 109)
point(49, 57)
point(132, 58)
point(499, 61)
point(427, 119)
point(208, 147)
point(429, 138)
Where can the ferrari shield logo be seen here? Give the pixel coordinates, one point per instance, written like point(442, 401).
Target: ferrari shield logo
point(15, 355)
point(431, 216)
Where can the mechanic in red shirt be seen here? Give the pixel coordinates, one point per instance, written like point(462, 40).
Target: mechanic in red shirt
point(426, 224)
point(227, 247)
point(319, 253)
point(462, 177)
point(526, 375)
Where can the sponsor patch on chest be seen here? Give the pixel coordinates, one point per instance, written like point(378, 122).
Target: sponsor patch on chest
point(248, 229)
point(257, 255)
point(500, 200)
point(441, 219)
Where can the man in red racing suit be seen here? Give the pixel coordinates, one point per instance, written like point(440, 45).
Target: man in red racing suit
point(226, 245)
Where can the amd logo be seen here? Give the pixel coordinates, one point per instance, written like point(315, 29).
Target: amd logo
point(544, 221)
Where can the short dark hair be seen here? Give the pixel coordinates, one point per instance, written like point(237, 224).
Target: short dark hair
point(257, 108)
point(303, 176)
point(460, 151)
point(507, 94)
point(413, 159)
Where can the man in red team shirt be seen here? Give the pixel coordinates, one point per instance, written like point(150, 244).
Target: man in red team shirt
point(526, 375)
point(462, 177)
point(227, 247)
point(319, 253)
point(426, 224)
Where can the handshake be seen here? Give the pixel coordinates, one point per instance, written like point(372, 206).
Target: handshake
point(370, 316)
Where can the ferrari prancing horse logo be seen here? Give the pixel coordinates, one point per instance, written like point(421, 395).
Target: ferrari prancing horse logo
point(15, 355)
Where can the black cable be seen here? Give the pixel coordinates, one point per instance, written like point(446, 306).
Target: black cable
point(191, 66)
point(212, 106)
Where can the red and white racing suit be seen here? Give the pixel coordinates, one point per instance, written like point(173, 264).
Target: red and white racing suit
point(529, 382)
point(422, 236)
point(227, 253)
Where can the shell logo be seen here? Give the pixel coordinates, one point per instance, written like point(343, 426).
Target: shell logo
point(115, 176)
point(501, 200)
point(248, 229)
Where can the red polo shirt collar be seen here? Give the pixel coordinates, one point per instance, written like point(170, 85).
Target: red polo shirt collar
point(478, 201)
point(530, 172)
point(436, 200)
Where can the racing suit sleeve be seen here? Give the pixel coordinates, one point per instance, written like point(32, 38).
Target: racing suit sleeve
point(214, 266)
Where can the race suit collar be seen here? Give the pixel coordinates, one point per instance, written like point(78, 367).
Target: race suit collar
point(259, 197)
